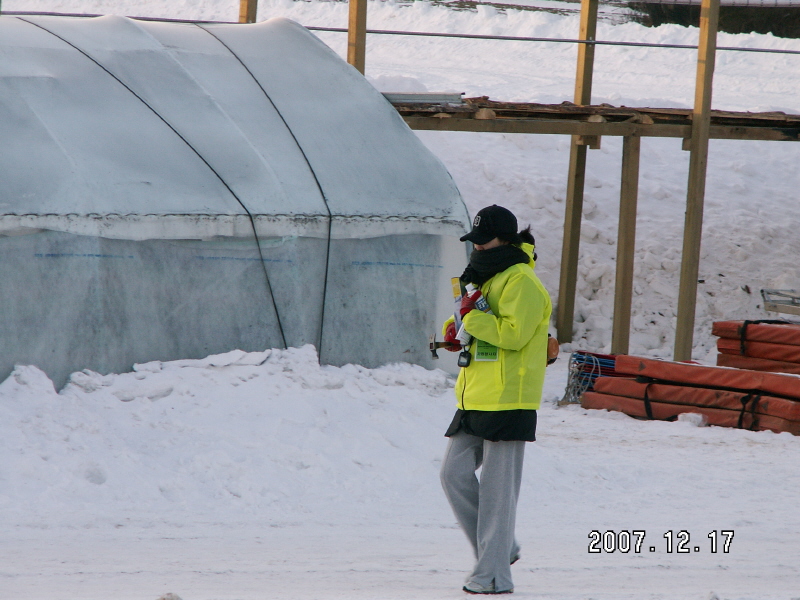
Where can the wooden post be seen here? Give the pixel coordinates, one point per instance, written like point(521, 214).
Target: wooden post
point(575, 179)
point(626, 244)
point(247, 11)
point(357, 35)
point(693, 227)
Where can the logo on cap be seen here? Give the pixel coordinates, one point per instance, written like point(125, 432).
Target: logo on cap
point(477, 221)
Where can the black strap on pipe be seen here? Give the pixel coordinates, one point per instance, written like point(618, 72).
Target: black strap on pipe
point(743, 330)
point(752, 398)
point(313, 173)
point(648, 406)
point(749, 397)
point(199, 155)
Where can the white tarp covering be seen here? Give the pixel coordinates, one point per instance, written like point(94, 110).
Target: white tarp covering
point(173, 190)
point(117, 121)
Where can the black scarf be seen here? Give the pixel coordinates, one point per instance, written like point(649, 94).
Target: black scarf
point(485, 264)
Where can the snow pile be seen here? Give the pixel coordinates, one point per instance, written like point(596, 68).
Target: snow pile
point(232, 437)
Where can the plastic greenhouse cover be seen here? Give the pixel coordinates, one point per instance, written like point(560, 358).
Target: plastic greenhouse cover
point(149, 130)
point(361, 150)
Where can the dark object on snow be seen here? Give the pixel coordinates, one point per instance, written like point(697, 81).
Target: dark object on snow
point(780, 21)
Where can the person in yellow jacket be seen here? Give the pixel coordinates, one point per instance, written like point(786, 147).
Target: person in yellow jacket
point(497, 393)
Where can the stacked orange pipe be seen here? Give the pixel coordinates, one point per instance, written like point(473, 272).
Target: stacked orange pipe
point(662, 390)
point(758, 345)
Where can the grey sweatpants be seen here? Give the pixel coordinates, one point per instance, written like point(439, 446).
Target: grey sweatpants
point(486, 509)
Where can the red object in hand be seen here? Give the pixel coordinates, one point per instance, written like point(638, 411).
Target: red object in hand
point(450, 338)
point(468, 302)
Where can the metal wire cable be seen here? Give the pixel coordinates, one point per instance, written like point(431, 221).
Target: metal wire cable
point(478, 36)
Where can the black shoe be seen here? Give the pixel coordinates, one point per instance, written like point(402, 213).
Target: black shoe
point(477, 588)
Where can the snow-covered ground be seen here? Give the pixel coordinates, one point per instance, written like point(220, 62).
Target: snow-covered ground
point(267, 476)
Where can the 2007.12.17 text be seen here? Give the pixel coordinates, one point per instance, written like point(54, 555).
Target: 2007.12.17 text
point(634, 541)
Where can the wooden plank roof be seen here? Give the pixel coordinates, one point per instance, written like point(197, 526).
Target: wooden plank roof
point(483, 114)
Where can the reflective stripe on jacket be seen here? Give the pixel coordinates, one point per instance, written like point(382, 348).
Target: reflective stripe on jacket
point(518, 328)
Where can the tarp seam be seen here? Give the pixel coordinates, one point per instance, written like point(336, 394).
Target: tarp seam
point(313, 173)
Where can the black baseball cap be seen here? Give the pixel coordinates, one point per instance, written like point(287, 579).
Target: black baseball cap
point(492, 222)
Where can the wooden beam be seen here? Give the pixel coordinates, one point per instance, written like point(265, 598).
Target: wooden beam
point(788, 309)
point(585, 67)
point(247, 11)
point(570, 245)
point(575, 179)
point(626, 245)
point(583, 128)
point(771, 134)
point(357, 35)
point(693, 228)
point(546, 126)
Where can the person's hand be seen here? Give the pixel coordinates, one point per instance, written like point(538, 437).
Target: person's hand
point(468, 302)
point(553, 348)
point(450, 338)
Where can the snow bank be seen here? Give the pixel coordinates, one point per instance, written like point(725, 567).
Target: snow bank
point(232, 437)
point(214, 478)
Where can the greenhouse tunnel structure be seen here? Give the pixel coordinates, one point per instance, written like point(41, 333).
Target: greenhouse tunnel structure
point(174, 190)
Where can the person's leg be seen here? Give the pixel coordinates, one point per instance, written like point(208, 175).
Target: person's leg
point(501, 476)
point(461, 459)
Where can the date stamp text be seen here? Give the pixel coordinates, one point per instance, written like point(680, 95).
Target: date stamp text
point(625, 541)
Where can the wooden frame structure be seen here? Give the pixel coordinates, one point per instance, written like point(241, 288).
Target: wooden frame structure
point(587, 124)
point(693, 227)
point(247, 11)
point(576, 178)
point(488, 116)
point(357, 34)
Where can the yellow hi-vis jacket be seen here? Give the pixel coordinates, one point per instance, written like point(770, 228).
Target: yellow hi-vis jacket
point(509, 352)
